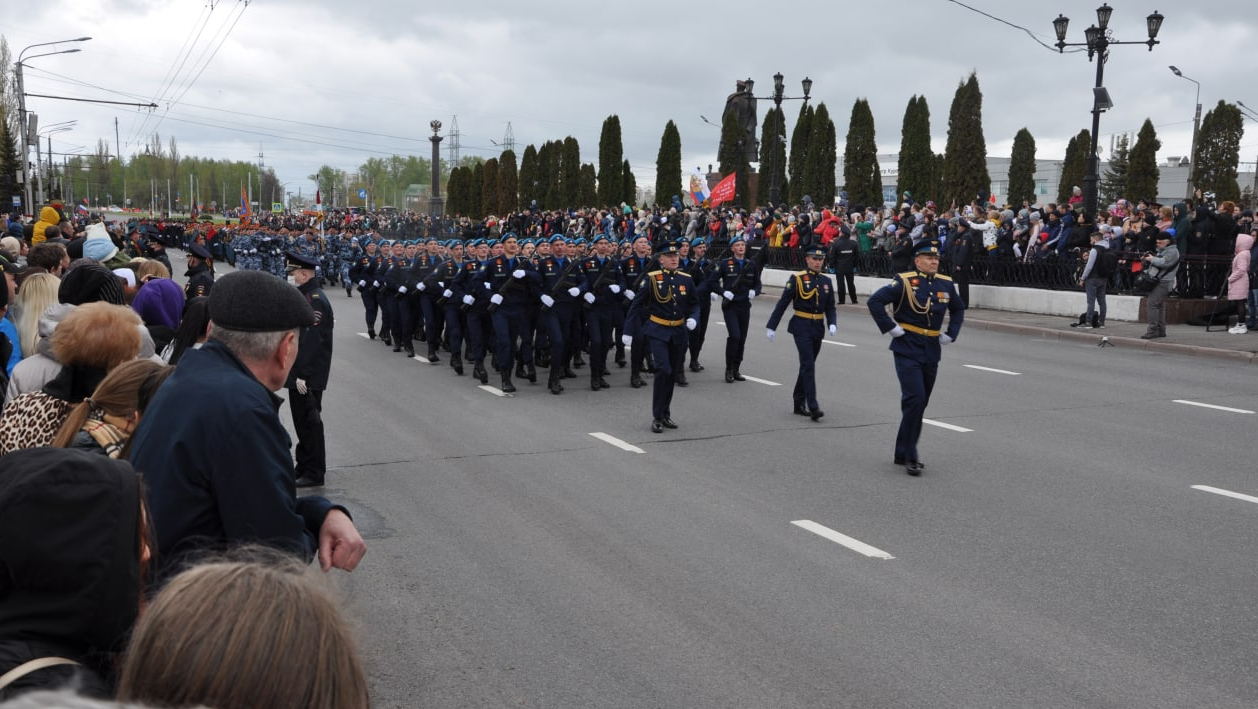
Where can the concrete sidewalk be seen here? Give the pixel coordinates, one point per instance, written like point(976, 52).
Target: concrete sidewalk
point(1180, 339)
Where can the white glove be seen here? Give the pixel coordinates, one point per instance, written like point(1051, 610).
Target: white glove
point(468, 300)
point(627, 340)
point(447, 293)
point(517, 273)
point(402, 289)
point(691, 323)
point(833, 329)
point(614, 288)
point(629, 294)
point(301, 387)
point(574, 291)
point(362, 284)
point(421, 286)
point(751, 294)
point(770, 334)
point(729, 295)
point(589, 298)
point(944, 339)
point(496, 299)
point(896, 331)
point(547, 300)
point(715, 297)
point(441, 284)
point(375, 284)
point(487, 286)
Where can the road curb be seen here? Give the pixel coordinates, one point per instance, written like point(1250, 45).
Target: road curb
point(1133, 343)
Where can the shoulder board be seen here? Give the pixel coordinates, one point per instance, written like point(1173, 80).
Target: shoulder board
point(907, 274)
point(942, 277)
point(799, 274)
point(656, 273)
point(682, 274)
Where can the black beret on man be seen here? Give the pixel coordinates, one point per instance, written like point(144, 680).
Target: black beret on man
point(256, 301)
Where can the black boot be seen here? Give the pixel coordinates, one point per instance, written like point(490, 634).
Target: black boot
point(695, 366)
point(553, 382)
point(384, 337)
point(729, 376)
point(620, 356)
point(738, 377)
point(530, 373)
point(432, 356)
point(507, 386)
point(680, 379)
point(478, 371)
point(457, 364)
point(542, 357)
point(577, 361)
point(371, 333)
point(635, 379)
point(568, 373)
point(410, 352)
point(520, 372)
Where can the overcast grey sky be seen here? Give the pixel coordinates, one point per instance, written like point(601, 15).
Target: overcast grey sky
point(370, 75)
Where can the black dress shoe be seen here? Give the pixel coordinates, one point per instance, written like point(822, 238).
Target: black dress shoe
point(637, 382)
point(457, 364)
point(568, 373)
point(914, 468)
point(398, 348)
point(729, 376)
point(594, 385)
point(578, 361)
point(801, 410)
point(603, 383)
point(478, 371)
point(507, 386)
point(696, 367)
point(432, 357)
point(657, 426)
point(738, 377)
point(530, 373)
point(816, 414)
point(307, 481)
point(680, 379)
point(899, 460)
point(371, 334)
point(668, 423)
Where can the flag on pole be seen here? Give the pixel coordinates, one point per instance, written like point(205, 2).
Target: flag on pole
point(698, 187)
point(724, 190)
point(84, 207)
point(245, 212)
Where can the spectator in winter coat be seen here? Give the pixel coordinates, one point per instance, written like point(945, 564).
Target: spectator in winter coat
point(829, 227)
point(1238, 281)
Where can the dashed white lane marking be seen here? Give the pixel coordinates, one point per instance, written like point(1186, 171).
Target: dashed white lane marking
point(836, 342)
point(758, 380)
point(855, 545)
point(617, 442)
point(990, 369)
point(492, 390)
point(950, 427)
point(1212, 406)
point(718, 322)
point(1226, 493)
point(364, 335)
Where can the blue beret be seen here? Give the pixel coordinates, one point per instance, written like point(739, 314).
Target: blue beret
point(554, 238)
point(737, 238)
point(599, 237)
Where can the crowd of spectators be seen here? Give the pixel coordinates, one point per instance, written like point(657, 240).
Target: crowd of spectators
point(97, 599)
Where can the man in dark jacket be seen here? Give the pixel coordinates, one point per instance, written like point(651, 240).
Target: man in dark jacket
point(843, 261)
point(309, 376)
point(211, 446)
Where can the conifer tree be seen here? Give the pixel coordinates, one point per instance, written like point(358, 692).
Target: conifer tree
point(1218, 152)
point(1022, 169)
point(799, 151)
point(862, 176)
point(733, 158)
point(914, 168)
point(668, 165)
point(1114, 183)
point(965, 158)
point(630, 186)
point(611, 155)
point(508, 183)
point(528, 177)
point(570, 173)
point(1142, 164)
point(773, 122)
point(1075, 166)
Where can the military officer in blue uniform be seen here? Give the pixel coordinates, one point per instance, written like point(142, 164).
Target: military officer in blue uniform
point(699, 268)
point(473, 297)
point(602, 297)
point(920, 299)
point(513, 283)
point(736, 280)
point(811, 294)
point(562, 285)
point(363, 272)
point(662, 312)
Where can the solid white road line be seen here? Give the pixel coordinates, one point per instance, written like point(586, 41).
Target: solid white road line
point(758, 380)
point(718, 322)
point(364, 335)
point(948, 426)
point(855, 545)
point(836, 342)
point(1226, 493)
point(989, 369)
point(492, 390)
point(617, 442)
point(1212, 406)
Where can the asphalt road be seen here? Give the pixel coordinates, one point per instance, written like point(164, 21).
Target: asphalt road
point(1054, 554)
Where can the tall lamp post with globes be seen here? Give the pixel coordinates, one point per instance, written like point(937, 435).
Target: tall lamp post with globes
point(1098, 39)
point(1196, 125)
point(779, 88)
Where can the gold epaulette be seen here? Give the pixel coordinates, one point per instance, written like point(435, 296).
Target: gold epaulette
point(943, 277)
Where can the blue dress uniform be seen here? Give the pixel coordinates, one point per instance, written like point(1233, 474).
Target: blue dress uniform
point(562, 285)
point(447, 301)
point(602, 310)
point(474, 298)
point(739, 279)
point(662, 311)
point(362, 272)
point(811, 294)
point(633, 269)
point(397, 308)
point(427, 293)
point(699, 269)
point(512, 283)
point(920, 301)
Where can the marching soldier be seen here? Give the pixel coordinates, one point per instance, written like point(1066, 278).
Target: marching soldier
point(562, 284)
point(736, 280)
point(811, 295)
point(602, 298)
point(662, 311)
point(512, 281)
point(919, 299)
point(633, 268)
point(699, 268)
point(473, 296)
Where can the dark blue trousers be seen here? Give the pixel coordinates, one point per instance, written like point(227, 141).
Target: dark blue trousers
point(600, 321)
point(478, 334)
point(669, 355)
point(699, 334)
point(371, 306)
point(917, 380)
point(403, 321)
point(556, 325)
point(808, 344)
point(433, 319)
point(737, 320)
point(509, 325)
point(454, 327)
point(388, 313)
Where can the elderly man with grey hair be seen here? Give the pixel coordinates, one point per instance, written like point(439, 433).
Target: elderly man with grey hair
point(215, 456)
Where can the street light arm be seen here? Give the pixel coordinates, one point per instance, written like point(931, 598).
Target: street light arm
point(48, 44)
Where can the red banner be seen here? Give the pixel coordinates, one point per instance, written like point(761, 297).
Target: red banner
point(724, 191)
